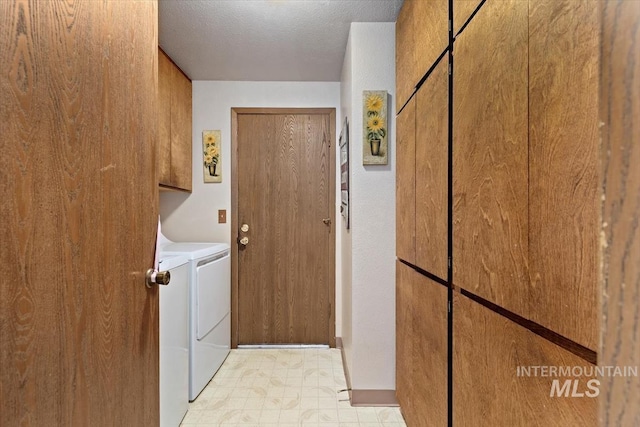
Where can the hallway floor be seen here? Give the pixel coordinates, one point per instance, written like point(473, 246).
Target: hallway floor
point(283, 388)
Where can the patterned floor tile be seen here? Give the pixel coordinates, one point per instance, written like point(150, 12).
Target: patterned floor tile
point(286, 388)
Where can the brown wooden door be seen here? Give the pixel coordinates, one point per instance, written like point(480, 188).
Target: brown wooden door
point(285, 194)
point(78, 327)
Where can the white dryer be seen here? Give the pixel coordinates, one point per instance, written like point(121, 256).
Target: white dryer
point(209, 308)
point(174, 342)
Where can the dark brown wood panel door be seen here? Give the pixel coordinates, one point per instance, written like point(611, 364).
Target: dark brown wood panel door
point(286, 194)
point(78, 184)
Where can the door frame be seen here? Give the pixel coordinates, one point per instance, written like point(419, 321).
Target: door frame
point(331, 112)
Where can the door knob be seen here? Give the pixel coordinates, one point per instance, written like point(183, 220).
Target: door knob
point(244, 241)
point(154, 277)
point(327, 221)
point(244, 228)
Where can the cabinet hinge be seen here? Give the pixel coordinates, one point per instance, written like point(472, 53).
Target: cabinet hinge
point(449, 262)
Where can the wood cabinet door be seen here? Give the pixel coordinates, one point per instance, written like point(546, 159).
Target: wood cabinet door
point(405, 59)
point(431, 29)
point(421, 36)
point(406, 183)
point(431, 176)
point(421, 342)
point(491, 386)
point(563, 166)
point(404, 338)
point(490, 134)
point(165, 73)
point(181, 124)
point(462, 11)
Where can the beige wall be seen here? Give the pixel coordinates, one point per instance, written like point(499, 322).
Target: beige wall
point(368, 250)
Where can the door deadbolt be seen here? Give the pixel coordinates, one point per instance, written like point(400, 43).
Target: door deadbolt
point(244, 228)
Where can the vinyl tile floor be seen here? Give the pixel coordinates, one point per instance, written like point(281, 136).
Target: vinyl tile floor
point(273, 387)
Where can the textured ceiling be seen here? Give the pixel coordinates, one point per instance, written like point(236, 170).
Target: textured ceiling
point(264, 40)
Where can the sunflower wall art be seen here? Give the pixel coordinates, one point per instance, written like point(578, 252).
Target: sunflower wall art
point(212, 156)
point(374, 144)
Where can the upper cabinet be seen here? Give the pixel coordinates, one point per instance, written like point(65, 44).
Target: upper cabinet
point(421, 37)
point(462, 11)
point(175, 145)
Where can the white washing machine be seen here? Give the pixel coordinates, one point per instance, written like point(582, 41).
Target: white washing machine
point(174, 342)
point(209, 308)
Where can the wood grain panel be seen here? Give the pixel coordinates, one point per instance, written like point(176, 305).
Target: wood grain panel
point(488, 350)
point(406, 183)
point(563, 166)
point(431, 28)
point(432, 129)
point(164, 107)
point(181, 125)
point(429, 352)
point(421, 347)
point(620, 157)
point(405, 59)
point(286, 272)
point(462, 10)
point(491, 156)
point(78, 118)
point(405, 339)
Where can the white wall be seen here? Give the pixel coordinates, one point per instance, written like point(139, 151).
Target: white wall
point(194, 217)
point(346, 253)
point(370, 245)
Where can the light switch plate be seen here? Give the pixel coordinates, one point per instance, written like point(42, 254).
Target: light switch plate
point(222, 216)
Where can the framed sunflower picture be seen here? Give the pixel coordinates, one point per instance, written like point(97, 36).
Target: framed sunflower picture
point(374, 144)
point(212, 155)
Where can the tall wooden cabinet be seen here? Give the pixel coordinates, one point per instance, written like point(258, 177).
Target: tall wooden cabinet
point(490, 165)
point(175, 123)
point(521, 268)
point(564, 210)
